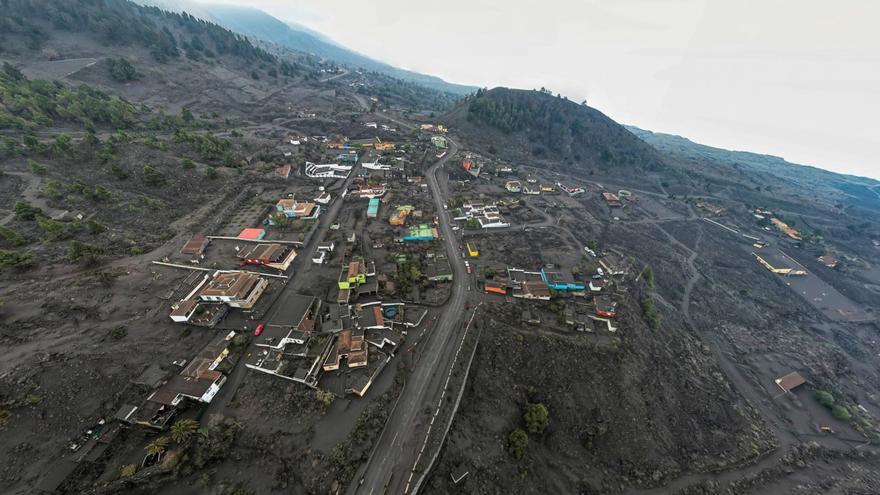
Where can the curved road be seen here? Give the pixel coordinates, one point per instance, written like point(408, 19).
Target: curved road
point(389, 469)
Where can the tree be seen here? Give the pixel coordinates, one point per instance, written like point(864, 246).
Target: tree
point(13, 260)
point(824, 398)
point(649, 276)
point(87, 253)
point(841, 412)
point(187, 164)
point(121, 70)
point(36, 167)
point(153, 177)
point(183, 430)
point(157, 446)
point(517, 442)
point(536, 417)
point(24, 211)
point(211, 173)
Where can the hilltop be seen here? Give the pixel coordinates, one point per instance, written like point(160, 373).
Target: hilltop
point(520, 123)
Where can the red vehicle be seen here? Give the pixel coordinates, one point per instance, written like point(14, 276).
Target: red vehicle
point(259, 329)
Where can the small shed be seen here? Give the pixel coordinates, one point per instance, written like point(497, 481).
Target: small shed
point(252, 233)
point(790, 381)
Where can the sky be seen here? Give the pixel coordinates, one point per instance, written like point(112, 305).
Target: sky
point(798, 79)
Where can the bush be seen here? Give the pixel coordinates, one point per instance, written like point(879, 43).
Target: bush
point(121, 70)
point(649, 276)
point(211, 173)
point(841, 412)
point(536, 417)
point(36, 167)
point(128, 471)
point(187, 164)
point(86, 253)
point(517, 442)
point(153, 177)
point(649, 310)
point(12, 236)
point(13, 260)
point(24, 211)
point(824, 398)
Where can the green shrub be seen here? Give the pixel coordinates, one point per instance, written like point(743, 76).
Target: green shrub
point(824, 398)
point(153, 177)
point(649, 310)
point(24, 211)
point(841, 412)
point(36, 167)
point(517, 442)
point(536, 417)
point(12, 236)
point(86, 253)
point(14, 260)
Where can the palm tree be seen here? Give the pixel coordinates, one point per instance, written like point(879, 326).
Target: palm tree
point(157, 446)
point(182, 430)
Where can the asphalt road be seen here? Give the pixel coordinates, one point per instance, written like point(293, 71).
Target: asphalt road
point(390, 468)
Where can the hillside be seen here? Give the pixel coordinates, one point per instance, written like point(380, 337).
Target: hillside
point(258, 24)
point(544, 127)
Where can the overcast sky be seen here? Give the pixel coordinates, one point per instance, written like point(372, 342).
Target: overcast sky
point(798, 79)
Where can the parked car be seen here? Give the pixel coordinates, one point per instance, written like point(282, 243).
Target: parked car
point(259, 330)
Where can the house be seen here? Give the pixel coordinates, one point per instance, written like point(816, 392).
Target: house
point(528, 285)
point(605, 307)
point(236, 289)
point(373, 208)
point(433, 128)
point(596, 285)
point(199, 381)
point(371, 318)
point(439, 142)
point(350, 156)
point(293, 324)
point(327, 171)
point(292, 208)
point(421, 233)
point(196, 245)
point(368, 192)
point(319, 257)
point(561, 282)
point(352, 275)
point(790, 381)
point(513, 186)
point(400, 214)
point(283, 172)
point(570, 190)
point(531, 190)
point(323, 198)
point(497, 286)
point(252, 234)
point(350, 346)
point(326, 246)
point(277, 256)
point(785, 229)
point(547, 189)
point(612, 199)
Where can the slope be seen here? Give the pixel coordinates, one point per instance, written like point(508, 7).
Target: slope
point(516, 123)
point(256, 23)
